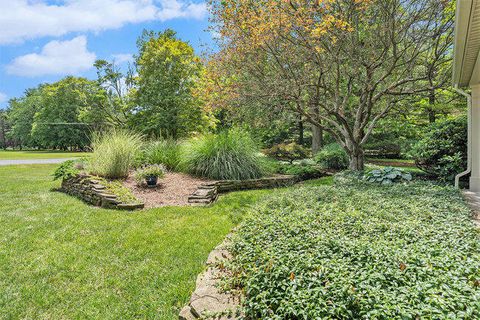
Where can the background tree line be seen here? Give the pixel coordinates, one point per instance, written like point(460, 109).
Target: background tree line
point(368, 75)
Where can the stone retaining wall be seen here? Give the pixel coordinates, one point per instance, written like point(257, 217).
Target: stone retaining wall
point(208, 301)
point(91, 190)
point(208, 192)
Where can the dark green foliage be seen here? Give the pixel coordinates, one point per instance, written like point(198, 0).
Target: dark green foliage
point(388, 175)
point(287, 152)
point(303, 170)
point(443, 150)
point(359, 251)
point(332, 156)
point(166, 152)
point(227, 155)
point(66, 170)
point(383, 149)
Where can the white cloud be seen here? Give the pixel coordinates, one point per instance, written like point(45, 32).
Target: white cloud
point(56, 57)
point(122, 57)
point(3, 97)
point(26, 19)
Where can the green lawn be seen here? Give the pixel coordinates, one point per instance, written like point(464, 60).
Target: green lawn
point(62, 259)
point(49, 154)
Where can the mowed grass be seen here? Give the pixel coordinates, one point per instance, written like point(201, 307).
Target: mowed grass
point(62, 259)
point(48, 154)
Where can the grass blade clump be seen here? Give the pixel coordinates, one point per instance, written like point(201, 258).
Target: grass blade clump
point(114, 153)
point(166, 152)
point(229, 155)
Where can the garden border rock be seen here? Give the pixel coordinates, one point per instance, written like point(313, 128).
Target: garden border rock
point(92, 191)
point(208, 301)
point(208, 192)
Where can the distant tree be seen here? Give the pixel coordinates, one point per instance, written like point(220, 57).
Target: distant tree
point(69, 112)
point(341, 65)
point(21, 112)
point(4, 129)
point(118, 87)
point(167, 73)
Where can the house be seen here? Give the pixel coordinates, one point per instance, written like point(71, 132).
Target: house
point(466, 74)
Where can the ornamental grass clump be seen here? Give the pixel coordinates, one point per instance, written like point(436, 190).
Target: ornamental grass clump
point(165, 152)
point(359, 251)
point(114, 153)
point(229, 155)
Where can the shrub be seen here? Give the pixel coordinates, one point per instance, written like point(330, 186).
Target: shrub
point(166, 152)
point(154, 170)
point(228, 155)
point(359, 252)
point(287, 152)
point(443, 150)
point(383, 149)
point(387, 175)
point(332, 156)
point(66, 170)
point(303, 170)
point(114, 153)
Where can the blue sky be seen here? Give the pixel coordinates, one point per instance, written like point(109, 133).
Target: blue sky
point(44, 41)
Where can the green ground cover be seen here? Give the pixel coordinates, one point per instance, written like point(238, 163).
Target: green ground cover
point(62, 259)
point(48, 154)
point(359, 251)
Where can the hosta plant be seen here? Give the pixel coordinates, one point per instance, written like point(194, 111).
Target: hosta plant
point(388, 175)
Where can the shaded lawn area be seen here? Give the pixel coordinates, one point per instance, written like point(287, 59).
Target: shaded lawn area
point(62, 259)
point(32, 154)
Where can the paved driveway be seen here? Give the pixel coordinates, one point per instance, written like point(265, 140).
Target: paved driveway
point(31, 161)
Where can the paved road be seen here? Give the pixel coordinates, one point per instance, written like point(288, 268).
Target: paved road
point(31, 161)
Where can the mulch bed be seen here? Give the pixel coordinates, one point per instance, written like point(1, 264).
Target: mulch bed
point(172, 190)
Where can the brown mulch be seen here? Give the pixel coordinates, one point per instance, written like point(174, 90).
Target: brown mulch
point(172, 190)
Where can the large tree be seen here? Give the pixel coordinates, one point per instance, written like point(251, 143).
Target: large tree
point(69, 111)
point(167, 72)
point(339, 64)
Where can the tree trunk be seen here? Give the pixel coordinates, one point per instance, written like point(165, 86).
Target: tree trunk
point(317, 139)
point(300, 131)
point(357, 157)
point(431, 106)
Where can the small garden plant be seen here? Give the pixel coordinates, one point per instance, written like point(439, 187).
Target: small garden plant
point(388, 175)
point(66, 170)
point(149, 173)
point(332, 156)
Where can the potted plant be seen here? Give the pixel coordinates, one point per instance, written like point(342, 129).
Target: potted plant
point(150, 174)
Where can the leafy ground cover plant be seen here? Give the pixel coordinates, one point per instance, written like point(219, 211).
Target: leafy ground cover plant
point(65, 170)
point(227, 155)
point(114, 153)
point(359, 251)
point(332, 156)
point(166, 152)
point(388, 175)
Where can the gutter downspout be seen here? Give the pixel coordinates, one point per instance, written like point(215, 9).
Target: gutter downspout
point(469, 136)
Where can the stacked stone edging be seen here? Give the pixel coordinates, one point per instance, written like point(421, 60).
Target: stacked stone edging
point(208, 301)
point(91, 190)
point(208, 192)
